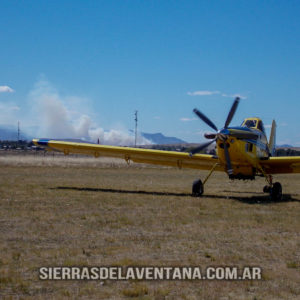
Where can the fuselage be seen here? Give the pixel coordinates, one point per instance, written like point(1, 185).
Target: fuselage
point(245, 154)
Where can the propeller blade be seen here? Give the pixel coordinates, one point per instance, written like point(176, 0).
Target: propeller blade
point(228, 161)
point(232, 111)
point(201, 147)
point(205, 119)
point(210, 135)
point(244, 135)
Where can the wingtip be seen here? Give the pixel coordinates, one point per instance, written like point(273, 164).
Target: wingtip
point(35, 141)
point(40, 142)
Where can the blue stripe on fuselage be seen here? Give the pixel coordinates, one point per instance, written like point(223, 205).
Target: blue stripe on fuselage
point(43, 142)
point(258, 144)
point(241, 128)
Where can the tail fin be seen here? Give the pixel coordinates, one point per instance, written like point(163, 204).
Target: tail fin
point(272, 140)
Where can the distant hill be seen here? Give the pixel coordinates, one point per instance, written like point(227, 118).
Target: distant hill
point(284, 146)
point(159, 138)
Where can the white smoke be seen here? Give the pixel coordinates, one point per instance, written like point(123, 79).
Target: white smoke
point(57, 118)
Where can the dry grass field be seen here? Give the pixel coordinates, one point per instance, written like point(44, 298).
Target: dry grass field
point(71, 211)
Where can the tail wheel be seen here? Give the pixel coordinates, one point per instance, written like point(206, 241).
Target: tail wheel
point(276, 192)
point(197, 189)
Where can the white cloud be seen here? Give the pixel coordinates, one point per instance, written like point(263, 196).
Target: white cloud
point(203, 93)
point(281, 125)
point(234, 96)
point(187, 119)
point(5, 89)
point(210, 93)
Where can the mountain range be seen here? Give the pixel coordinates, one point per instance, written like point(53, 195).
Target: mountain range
point(160, 139)
point(9, 133)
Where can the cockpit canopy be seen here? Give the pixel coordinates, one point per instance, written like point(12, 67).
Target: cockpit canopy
point(254, 123)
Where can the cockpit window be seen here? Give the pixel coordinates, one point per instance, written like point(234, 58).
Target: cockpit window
point(260, 126)
point(254, 124)
point(250, 123)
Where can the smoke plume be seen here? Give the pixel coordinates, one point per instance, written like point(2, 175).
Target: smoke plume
point(67, 117)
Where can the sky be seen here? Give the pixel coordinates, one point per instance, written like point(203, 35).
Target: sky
point(82, 68)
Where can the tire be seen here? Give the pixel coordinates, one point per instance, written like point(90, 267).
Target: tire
point(276, 192)
point(267, 189)
point(197, 189)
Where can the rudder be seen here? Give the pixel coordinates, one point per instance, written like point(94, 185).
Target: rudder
point(272, 140)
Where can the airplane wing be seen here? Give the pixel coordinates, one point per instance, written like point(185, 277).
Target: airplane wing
point(148, 156)
point(281, 164)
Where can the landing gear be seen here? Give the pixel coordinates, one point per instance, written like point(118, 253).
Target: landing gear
point(275, 190)
point(267, 189)
point(197, 189)
point(198, 186)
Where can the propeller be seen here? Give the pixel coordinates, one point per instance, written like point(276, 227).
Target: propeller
point(228, 161)
point(222, 134)
point(205, 119)
point(201, 147)
point(232, 111)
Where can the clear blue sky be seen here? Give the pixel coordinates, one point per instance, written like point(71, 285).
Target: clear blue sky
point(119, 56)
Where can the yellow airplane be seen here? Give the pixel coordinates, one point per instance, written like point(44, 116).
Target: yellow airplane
point(242, 152)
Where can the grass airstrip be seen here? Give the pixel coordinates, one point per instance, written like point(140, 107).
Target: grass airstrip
point(82, 211)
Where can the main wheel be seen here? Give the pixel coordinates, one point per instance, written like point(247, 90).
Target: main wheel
point(267, 189)
point(197, 189)
point(276, 192)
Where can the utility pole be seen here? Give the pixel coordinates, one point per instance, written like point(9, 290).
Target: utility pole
point(136, 120)
point(18, 130)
